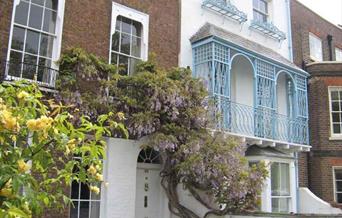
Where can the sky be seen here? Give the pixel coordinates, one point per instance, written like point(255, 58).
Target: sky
point(328, 9)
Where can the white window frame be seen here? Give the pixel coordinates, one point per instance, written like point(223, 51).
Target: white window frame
point(315, 39)
point(334, 182)
point(267, 14)
point(266, 194)
point(57, 43)
point(333, 136)
point(288, 197)
point(121, 10)
point(338, 54)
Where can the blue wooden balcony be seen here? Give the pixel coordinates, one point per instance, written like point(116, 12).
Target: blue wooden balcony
point(258, 95)
point(258, 123)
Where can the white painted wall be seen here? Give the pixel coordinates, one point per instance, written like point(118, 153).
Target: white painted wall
point(193, 17)
point(282, 94)
point(242, 81)
point(310, 203)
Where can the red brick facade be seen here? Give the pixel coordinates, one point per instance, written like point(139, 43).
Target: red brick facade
point(316, 167)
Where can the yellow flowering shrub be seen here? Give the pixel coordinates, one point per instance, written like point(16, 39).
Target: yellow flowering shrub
point(32, 131)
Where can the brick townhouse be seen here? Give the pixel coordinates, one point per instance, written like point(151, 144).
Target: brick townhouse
point(34, 33)
point(317, 48)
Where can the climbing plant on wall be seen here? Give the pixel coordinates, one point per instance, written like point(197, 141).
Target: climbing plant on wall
point(171, 107)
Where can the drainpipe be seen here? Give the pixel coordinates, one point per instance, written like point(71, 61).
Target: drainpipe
point(330, 38)
point(297, 181)
point(289, 30)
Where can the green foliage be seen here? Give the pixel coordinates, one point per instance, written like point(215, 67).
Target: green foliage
point(172, 108)
point(38, 140)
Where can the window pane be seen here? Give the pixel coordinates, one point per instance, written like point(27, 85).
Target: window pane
point(339, 186)
point(336, 117)
point(94, 196)
point(15, 64)
point(49, 21)
point(85, 193)
point(285, 179)
point(275, 179)
point(94, 209)
point(21, 13)
point(263, 6)
point(123, 65)
point(125, 43)
point(44, 71)
point(334, 95)
point(136, 28)
point(39, 2)
point(280, 205)
point(74, 190)
point(338, 174)
point(32, 42)
point(84, 209)
point(52, 4)
point(30, 66)
point(338, 53)
point(114, 59)
point(335, 106)
point(132, 64)
point(337, 128)
point(126, 25)
point(118, 23)
point(36, 17)
point(115, 41)
point(315, 47)
point(74, 210)
point(136, 47)
point(18, 38)
point(46, 45)
point(339, 198)
point(255, 3)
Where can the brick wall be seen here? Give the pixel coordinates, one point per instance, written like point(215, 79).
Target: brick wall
point(87, 25)
point(5, 22)
point(304, 21)
point(316, 168)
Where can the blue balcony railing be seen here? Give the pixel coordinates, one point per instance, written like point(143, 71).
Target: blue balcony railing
point(259, 122)
point(43, 75)
point(226, 9)
point(268, 29)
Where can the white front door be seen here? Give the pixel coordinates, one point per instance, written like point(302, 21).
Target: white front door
point(149, 198)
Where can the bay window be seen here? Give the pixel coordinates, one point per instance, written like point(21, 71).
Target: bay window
point(280, 187)
point(338, 184)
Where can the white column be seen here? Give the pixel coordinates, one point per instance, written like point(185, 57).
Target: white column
point(293, 188)
point(266, 200)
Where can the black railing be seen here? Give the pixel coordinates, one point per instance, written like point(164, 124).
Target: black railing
point(43, 75)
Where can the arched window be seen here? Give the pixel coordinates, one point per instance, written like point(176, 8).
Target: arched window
point(149, 155)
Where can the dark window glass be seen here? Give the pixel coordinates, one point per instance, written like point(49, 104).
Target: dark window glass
point(334, 95)
point(125, 43)
point(115, 41)
point(39, 2)
point(49, 21)
point(335, 106)
point(114, 58)
point(123, 65)
point(74, 190)
point(336, 117)
point(337, 128)
point(15, 66)
point(84, 209)
point(46, 45)
point(52, 4)
point(126, 25)
point(338, 174)
point(85, 192)
point(339, 186)
point(118, 23)
point(36, 15)
point(44, 70)
point(32, 42)
point(18, 38)
point(136, 28)
point(29, 67)
point(74, 210)
point(339, 198)
point(136, 47)
point(21, 13)
point(95, 209)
